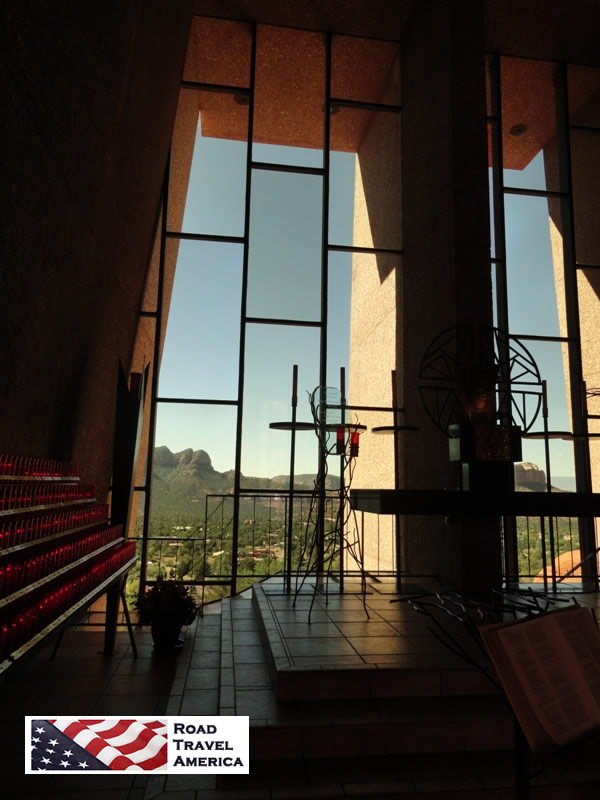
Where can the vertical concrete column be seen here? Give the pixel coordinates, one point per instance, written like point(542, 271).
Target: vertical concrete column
point(446, 273)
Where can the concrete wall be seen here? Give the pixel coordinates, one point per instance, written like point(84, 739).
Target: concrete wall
point(375, 317)
point(446, 278)
point(90, 92)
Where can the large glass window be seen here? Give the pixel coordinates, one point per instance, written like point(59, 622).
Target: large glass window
point(278, 240)
point(545, 133)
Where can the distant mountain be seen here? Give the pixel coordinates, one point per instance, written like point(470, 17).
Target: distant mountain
point(530, 478)
point(182, 480)
point(566, 483)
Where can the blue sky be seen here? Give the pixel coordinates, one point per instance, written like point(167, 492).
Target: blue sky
point(533, 305)
point(202, 344)
point(200, 357)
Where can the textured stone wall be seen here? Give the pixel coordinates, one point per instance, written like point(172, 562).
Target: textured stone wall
point(374, 318)
point(90, 92)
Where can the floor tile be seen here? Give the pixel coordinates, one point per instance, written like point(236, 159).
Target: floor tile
point(202, 679)
point(246, 637)
point(119, 704)
point(370, 628)
point(258, 703)
point(373, 645)
point(198, 701)
point(245, 624)
point(305, 630)
point(203, 658)
point(249, 654)
point(247, 675)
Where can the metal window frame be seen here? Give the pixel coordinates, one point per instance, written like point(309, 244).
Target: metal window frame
point(245, 319)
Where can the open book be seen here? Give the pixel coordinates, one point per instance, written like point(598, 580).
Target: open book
point(549, 667)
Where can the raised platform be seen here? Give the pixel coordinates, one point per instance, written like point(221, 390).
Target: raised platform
point(327, 644)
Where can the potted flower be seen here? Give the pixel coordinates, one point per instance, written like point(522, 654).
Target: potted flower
point(166, 606)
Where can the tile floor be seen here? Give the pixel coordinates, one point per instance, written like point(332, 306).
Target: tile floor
point(223, 668)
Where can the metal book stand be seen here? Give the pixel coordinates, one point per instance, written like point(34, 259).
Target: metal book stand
point(455, 622)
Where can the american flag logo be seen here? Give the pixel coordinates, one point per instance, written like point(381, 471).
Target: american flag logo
point(87, 745)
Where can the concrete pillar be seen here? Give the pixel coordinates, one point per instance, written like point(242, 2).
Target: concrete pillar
point(446, 273)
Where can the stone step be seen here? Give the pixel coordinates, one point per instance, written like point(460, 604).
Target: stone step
point(447, 790)
point(325, 723)
point(441, 744)
point(474, 776)
point(340, 728)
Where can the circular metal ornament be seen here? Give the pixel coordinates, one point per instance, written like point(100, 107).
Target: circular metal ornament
point(477, 371)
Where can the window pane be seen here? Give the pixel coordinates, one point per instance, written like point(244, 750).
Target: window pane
point(271, 352)
point(209, 40)
point(375, 138)
point(553, 364)
point(492, 189)
point(562, 464)
point(341, 197)
point(195, 446)
point(201, 351)
point(595, 461)
point(291, 156)
point(373, 346)
point(338, 316)
point(193, 462)
point(365, 69)
point(533, 257)
point(284, 272)
point(208, 172)
point(136, 521)
point(494, 269)
point(289, 93)
point(531, 176)
point(585, 160)
point(529, 124)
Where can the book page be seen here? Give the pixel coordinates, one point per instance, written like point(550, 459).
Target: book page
point(550, 669)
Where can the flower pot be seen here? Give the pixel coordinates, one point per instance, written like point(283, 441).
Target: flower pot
point(165, 634)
